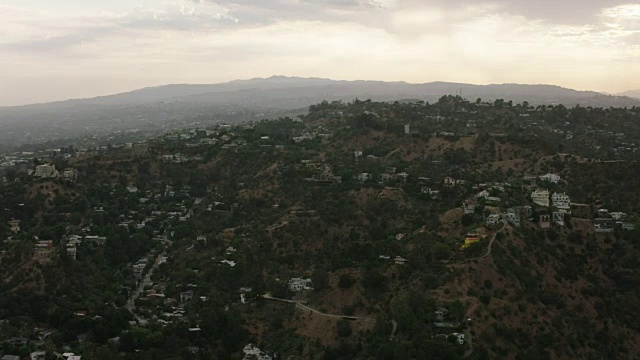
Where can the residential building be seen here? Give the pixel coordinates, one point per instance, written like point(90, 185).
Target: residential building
point(38, 355)
point(558, 217)
point(493, 219)
point(46, 171)
point(554, 178)
point(364, 177)
point(449, 181)
point(299, 284)
point(400, 260)
point(469, 206)
point(513, 217)
point(603, 224)
point(10, 357)
point(469, 240)
point(14, 225)
point(627, 225)
point(561, 201)
point(540, 197)
point(70, 174)
point(545, 221)
point(618, 215)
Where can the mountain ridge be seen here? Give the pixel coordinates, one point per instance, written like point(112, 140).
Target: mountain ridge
point(180, 90)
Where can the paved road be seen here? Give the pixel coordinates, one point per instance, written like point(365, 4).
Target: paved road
point(131, 302)
point(306, 308)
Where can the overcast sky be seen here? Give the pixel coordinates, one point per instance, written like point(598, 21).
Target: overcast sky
point(53, 50)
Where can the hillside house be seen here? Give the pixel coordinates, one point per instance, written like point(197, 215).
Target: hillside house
point(618, 216)
point(364, 177)
point(14, 225)
point(434, 194)
point(469, 206)
point(561, 201)
point(627, 225)
point(43, 249)
point(46, 171)
point(553, 178)
point(513, 217)
point(493, 219)
point(470, 239)
point(38, 355)
point(70, 174)
point(400, 260)
point(603, 224)
point(558, 217)
point(10, 357)
point(545, 221)
point(540, 197)
point(252, 352)
point(299, 284)
point(483, 194)
point(449, 181)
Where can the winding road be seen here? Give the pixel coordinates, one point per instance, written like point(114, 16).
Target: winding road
point(308, 309)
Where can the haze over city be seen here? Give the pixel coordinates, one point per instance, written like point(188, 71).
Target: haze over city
point(72, 49)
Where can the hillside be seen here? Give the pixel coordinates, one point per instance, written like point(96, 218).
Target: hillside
point(163, 108)
point(360, 230)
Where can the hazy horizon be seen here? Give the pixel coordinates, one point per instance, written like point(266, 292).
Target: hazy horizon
point(82, 49)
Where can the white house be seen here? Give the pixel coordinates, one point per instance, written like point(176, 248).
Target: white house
point(493, 219)
point(469, 206)
point(561, 201)
point(618, 215)
point(400, 260)
point(554, 178)
point(364, 177)
point(513, 217)
point(299, 284)
point(540, 197)
point(46, 171)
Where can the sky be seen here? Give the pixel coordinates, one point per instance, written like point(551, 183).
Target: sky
point(53, 50)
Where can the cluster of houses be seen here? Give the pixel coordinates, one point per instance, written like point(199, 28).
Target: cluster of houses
point(252, 352)
point(606, 221)
point(49, 171)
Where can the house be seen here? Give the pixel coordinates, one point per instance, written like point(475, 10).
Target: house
point(513, 217)
point(364, 177)
point(43, 249)
point(228, 262)
point(493, 200)
point(434, 194)
point(132, 189)
point(38, 355)
point(627, 225)
point(469, 206)
point(254, 353)
point(545, 221)
point(554, 178)
point(603, 224)
point(540, 197)
point(558, 217)
point(72, 251)
point(470, 239)
point(440, 314)
point(10, 357)
point(186, 296)
point(603, 213)
point(561, 201)
point(14, 225)
point(459, 338)
point(449, 181)
point(357, 154)
point(70, 174)
point(299, 284)
point(400, 260)
point(618, 215)
point(483, 194)
point(493, 219)
point(46, 171)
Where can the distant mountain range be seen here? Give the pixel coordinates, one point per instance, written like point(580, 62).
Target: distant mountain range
point(162, 107)
point(631, 93)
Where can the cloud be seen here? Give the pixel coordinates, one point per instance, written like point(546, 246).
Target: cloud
point(411, 40)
